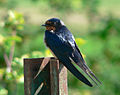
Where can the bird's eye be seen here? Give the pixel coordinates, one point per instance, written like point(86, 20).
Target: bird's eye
point(48, 22)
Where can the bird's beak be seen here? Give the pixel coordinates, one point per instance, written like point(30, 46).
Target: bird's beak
point(44, 25)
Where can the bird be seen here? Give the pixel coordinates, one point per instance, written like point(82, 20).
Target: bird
point(62, 45)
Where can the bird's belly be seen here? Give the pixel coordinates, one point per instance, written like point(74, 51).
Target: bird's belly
point(52, 52)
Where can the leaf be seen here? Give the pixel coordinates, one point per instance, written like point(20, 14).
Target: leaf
point(1, 40)
point(14, 20)
point(13, 38)
point(9, 41)
point(80, 41)
point(48, 53)
point(3, 91)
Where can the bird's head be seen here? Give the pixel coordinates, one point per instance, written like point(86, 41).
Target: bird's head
point(53, 24)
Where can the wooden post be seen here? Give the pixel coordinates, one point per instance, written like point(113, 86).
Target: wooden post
point(44, 76)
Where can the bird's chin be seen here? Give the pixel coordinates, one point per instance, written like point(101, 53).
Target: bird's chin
point(49, 28)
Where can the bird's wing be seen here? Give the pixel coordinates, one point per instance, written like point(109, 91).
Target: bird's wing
point(77, 58)
point(87, 68)
point(76, 55)
point(61, 50)
point(67, 63)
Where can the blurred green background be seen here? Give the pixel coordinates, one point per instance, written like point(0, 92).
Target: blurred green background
point(94, 23)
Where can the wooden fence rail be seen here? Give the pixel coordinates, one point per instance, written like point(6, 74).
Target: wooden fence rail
point(44, 76)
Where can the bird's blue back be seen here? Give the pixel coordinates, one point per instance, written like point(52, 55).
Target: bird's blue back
point(57, 43)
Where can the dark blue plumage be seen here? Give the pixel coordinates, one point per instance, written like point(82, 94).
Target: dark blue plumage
point(62, 44)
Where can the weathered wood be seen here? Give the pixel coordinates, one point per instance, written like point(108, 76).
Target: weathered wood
point(44, 76)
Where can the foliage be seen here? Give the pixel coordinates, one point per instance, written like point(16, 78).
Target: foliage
point(12, 24)
point(91, 6)
point(14, 21)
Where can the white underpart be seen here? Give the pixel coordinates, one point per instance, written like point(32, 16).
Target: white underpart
point(52, 31)
point(62, 23)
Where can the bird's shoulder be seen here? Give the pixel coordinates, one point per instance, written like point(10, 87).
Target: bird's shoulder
point(62, 36)
point(66, 35)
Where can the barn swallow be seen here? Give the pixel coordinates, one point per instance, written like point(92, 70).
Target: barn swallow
point(62, 44)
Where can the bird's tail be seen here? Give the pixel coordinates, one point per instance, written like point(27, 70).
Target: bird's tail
point(91, 73)
point(74, 71)
point(77, 58)
point(87, 70)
